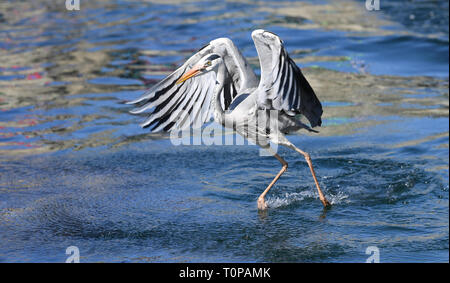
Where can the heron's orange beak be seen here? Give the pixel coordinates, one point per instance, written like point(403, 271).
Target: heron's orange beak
point(189, 74)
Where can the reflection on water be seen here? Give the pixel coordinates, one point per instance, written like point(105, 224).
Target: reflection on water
point(75, 168)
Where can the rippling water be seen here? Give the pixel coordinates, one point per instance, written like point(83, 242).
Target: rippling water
point(76, 170)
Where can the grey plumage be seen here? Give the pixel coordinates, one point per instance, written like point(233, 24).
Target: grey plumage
point(282, 87)
point(217, 82)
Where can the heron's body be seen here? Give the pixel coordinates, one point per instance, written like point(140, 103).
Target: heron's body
point(217, 82)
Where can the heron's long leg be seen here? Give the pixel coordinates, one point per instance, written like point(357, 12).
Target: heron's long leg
point(324, 201)
point(261, 202)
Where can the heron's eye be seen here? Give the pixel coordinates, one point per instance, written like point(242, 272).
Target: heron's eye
point(208, 63)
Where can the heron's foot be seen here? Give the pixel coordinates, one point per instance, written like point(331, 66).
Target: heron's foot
point(325, 203)
point(262, 205)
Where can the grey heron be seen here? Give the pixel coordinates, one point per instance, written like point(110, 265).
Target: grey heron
point(218, 82)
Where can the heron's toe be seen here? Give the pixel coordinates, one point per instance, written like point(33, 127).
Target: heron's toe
point(262, 205)
point(326, 203)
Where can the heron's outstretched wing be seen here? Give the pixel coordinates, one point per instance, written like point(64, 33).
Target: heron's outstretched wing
point(178, 106)
point(167, 101)
point(282, 85)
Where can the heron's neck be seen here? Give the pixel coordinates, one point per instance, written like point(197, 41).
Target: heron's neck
point(219, 112)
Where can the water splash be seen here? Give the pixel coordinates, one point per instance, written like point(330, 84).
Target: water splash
point(293, 198)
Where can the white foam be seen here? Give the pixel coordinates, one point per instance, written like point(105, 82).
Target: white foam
point(340, 197)
point(289, 198)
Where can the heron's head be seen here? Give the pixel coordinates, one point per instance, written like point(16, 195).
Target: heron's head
point(208, 63)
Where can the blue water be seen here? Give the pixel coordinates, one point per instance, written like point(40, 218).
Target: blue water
point(77, 170)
